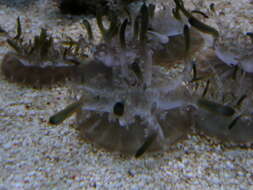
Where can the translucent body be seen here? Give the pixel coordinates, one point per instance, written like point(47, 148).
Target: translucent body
point(236, 50)
point(127, 139)
point(132, 69)
point(218, 126)
point(160, 108)
point(154, 102)
point(233, 88)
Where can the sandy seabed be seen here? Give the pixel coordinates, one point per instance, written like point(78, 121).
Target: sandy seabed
point(35, 155)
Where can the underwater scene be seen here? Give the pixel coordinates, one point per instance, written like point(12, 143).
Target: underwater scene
point(126, 94)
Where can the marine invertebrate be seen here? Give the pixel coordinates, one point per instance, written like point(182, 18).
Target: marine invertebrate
point(227, 113)
point(148, 111)
point(42, 62)
point(231, 46)
point(136, 98)
point(169, 42)
point(128, 99)
point(237, 129)
point(225, 106)
point(134, 105)
point(223, 109)
point(235, 52)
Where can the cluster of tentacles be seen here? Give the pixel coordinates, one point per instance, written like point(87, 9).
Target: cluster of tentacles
point(38, 63)
point(144, 85)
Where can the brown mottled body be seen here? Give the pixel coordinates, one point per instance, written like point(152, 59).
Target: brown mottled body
point(19, 69)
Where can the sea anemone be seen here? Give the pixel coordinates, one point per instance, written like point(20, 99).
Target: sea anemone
point(135, 104)
point(38, 63)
